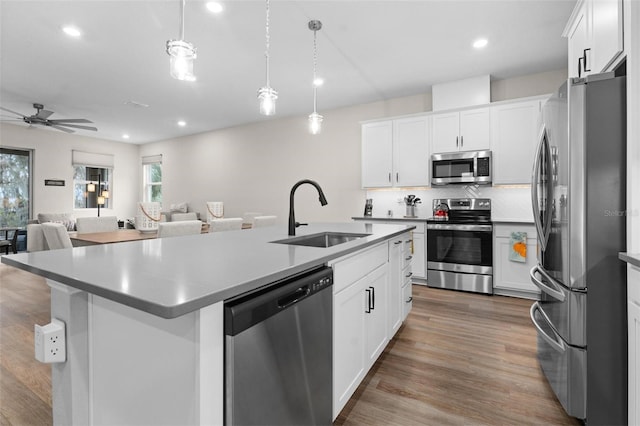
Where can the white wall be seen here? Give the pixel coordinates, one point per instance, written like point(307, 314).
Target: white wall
point(52, 160)
point(632, 47)
point(253, 167)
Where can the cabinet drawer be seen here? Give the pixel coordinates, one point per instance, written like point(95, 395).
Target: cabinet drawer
point(350, 269)
point(407, 300)
point(406, 275)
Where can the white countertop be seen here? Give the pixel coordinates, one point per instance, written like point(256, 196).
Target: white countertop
point(169, 277)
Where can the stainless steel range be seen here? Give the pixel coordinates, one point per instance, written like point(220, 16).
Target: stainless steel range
point(460, 245)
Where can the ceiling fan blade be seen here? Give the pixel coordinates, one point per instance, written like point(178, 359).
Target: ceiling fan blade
point(13, 112)
point(75, 126)
point(70, 120)
point(64, 129)
point(44, 114)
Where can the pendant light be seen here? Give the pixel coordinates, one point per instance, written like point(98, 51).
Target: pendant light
point(266, 95)
point(315, 119)
point(182, 54)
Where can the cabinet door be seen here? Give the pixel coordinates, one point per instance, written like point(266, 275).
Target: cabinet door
point(419, 255)
point(475, 129)
point(606, 34)
point(348, 343)
point(411, 152)
point(377, 154)
point(375, 314)
point(578, 41)
point(508, 274)
point(633, 312)
point(396, 281)
point(445, 132)
point(514, 135)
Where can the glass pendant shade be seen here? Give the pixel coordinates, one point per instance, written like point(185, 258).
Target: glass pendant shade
point(91, 187)
point(267, 99)
point(315, 123)
point(105, 194)
point(182, 54)
point(101, 200)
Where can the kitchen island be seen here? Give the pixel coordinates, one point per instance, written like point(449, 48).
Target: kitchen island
point(144, 320)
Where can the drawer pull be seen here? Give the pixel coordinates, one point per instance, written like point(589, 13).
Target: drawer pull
point(409, 274)
point(408, 258)
point(410, 300)
point(397, 242)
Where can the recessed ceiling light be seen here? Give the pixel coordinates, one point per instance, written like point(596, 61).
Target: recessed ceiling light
point(214, 7)
point(182, 123)
point(125, 136)
point(71, 31)
point(480, 43)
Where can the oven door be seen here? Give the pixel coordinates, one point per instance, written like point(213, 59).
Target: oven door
point(460, 248)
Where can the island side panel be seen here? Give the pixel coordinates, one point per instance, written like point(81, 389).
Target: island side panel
point(70, 379)
point(149, 370)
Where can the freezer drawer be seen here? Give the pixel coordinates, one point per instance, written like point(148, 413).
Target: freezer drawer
point(566, 309)
point(564, 366)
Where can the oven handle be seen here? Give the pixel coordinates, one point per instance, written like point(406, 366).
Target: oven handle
point(459, 227)
point(556, 292)
point(556, 343)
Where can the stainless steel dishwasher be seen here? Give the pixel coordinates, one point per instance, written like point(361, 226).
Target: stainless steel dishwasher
point(278, 353)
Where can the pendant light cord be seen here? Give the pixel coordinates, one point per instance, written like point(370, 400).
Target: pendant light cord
point(315, 64)
point(267, 37)
point(182, 20)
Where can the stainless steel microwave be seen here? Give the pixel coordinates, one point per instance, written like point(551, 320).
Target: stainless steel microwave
point(461, 168)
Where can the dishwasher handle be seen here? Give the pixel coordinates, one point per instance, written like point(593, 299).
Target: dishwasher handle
point(293, 297)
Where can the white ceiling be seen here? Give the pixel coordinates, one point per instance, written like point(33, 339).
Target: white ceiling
point(367, 51)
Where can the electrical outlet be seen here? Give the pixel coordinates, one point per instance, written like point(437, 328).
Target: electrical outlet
point(50, 342)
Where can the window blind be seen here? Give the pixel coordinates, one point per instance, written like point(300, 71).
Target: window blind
point(80, 158)
point(152, 159)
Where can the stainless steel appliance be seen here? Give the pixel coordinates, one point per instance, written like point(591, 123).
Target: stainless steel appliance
point(460, 245)
point(578, 196)
point(461, 168)
point(278, 353)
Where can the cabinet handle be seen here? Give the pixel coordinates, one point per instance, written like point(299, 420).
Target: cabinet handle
point(580, 66)
point(389, 177)
point(456, 141)
point(410, 300)
point(461, 141)
point(373, 298)
point(408, 258)
point(584, 55)
point(368, 310)
point(409, 275)
point(398, 242)
point(397, 179)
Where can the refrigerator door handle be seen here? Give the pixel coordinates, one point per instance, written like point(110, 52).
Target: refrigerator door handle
point(556, 292)
point(555, 341)
point(535, 174)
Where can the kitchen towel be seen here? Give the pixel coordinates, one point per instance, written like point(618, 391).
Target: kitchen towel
point(518, 244)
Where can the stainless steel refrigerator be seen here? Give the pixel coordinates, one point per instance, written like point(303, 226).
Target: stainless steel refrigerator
point(579, 196)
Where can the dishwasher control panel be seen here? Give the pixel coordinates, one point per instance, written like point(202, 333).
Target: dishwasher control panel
point(322, 283)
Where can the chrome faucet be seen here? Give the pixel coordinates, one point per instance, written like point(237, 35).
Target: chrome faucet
point(292, 216)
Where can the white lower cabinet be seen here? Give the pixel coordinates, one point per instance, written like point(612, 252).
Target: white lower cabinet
point(511, 278)
point(368, 308)
point(633, 312)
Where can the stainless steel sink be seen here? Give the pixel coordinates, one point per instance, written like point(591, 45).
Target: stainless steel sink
point(323, 239)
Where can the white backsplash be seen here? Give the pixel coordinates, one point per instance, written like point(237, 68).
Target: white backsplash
point(508, 202)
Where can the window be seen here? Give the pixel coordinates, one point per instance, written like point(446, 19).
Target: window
point(152, 171)
point(15, 187)
point(91, 187)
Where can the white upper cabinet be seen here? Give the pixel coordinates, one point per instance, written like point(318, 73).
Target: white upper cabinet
point(467, 130)
point(595, 35)
point(377, 154)
point(396, 153)
point(514, 130)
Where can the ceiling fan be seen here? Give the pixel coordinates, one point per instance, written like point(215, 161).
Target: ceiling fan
point(41, 118)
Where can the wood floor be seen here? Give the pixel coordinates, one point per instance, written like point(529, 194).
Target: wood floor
point(459, 359)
